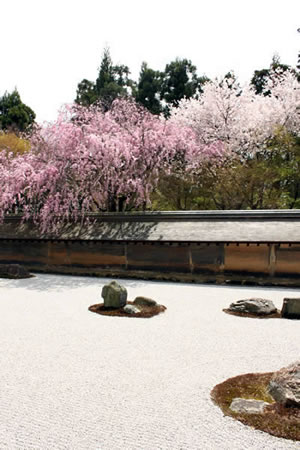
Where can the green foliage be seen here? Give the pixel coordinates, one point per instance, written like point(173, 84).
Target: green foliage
point(298, 63)
point(180, 80)
point(285, 150)
point(112, 82)
point(148, 89)
point(240, 185)
point(14, 114)
point(177, 192)
point(86, 93)
point(261, 77)
point(270, 179)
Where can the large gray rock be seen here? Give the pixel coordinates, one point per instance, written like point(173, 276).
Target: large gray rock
point(15, 271)
point(144, 301)
point(114, 295)
point(249, 406)
point(285, 385)
point(291, 308)
point(131, 309)
point(257, 306)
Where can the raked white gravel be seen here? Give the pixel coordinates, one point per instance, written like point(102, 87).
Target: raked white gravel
point(72, 379)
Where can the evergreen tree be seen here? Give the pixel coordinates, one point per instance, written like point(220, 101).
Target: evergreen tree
point(148, 89)
point(180, 81)
point(86, 93)
point(14, 114)
point(261, 77)
point(112, 82)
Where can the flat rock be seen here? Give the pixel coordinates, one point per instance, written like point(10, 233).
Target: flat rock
point(144, 301)
point(291, 308)
point(131, 309)
point(14, 271)
point(259, 306)
point(284, 386)
point(114, 295)
point(249, 406)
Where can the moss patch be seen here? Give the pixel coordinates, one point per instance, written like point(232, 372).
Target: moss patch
point(276, 315)
point(145, 311)
point(276, 419)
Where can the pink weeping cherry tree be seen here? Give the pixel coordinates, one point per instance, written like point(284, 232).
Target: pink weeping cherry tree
point(95, 161)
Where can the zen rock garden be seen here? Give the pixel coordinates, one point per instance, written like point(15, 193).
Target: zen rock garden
point(116, 304)
point(262, 308)
point(269, 402)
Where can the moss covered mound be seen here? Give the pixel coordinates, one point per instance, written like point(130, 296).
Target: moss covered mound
point(276, 419)
point(145, 311)
point(276, 315)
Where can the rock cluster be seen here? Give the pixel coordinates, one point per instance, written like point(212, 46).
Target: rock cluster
point(257, 306)
point(262, 307)
point(284, 386)
point(115, 296)
point(14, 271)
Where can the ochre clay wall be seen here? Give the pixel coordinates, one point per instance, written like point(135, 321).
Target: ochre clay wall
point(167, 260)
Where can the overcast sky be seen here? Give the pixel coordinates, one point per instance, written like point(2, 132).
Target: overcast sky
point(49, 46)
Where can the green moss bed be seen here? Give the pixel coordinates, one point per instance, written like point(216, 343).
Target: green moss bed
point(145, 313)
point(276, 419)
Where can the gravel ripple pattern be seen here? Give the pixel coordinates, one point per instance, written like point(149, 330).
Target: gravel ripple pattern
point(71, 379)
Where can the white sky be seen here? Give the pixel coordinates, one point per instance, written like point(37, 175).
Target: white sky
point(48, 47)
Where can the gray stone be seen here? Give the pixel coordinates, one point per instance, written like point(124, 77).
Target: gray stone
point(285, 385)
point(257, 306)
point(249, 406)
point(291, 308)
point(14, 271)
point(131, 309)
point(114, 295)
point(144, 301)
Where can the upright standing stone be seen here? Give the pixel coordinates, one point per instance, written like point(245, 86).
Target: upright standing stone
point(291, 308)
point(285, 385)
point(114, 295)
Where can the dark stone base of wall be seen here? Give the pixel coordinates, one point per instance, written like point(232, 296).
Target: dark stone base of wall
point(218, 279)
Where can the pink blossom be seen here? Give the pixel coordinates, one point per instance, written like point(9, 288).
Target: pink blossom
point(91, 161)
point(239, 118)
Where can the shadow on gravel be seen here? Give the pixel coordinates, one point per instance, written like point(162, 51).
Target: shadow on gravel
point(60, 283)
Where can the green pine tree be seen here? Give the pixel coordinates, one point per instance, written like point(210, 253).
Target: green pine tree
point(14, 114)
